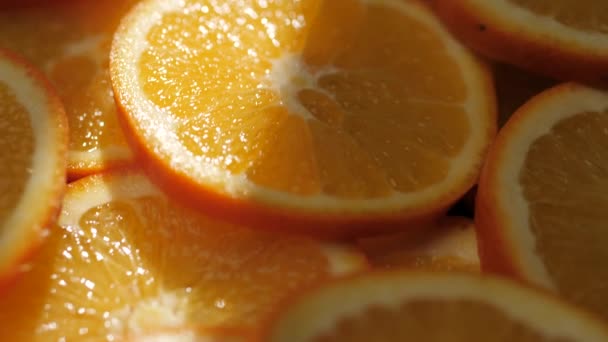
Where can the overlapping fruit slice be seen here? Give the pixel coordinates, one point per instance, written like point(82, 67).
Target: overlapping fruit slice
point(561, 38)
point(340, 112)
point(447, 245)
point(69, 40)
point(33, 144)
point(541, 208)
point(432, 307)
point(125, 263)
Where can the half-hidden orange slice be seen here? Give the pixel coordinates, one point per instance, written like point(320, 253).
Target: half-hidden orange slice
point(126, 263)
point(69, 40)
point(33, 145)
point(431, 307)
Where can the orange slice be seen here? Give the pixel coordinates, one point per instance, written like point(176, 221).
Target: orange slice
point(560, 38)
point(33, 144)
point(403, 306)
point(127, 263)
point(318, 113)
point(541, 206)
point(448, 245)
point(70, 42)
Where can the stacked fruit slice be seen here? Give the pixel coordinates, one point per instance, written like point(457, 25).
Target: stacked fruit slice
point(245, 137)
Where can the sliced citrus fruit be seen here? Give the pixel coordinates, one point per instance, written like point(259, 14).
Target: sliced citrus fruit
point(541, 213)
point(338, 112)
point(126, 263)
point(560, 38)
point(70, 42)
point(403, 306)
point(447, 245)
point(33, 145)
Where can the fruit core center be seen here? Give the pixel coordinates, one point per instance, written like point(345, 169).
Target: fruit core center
point(289, 76)
point(163, 311)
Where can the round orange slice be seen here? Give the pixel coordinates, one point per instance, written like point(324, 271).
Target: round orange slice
point(33, 144)
point(324, 114)
point(560, 38)
point(541, 208)
point(126, 263)
point(447, 245)
point(70, 42)
point(432, 307)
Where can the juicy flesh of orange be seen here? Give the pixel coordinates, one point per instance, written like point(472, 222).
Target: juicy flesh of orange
point(565, 181)
point(459, 320)
point(16, 151)
point(309, 97)
point(142, 265)
point(73, 50)
point(587, 15)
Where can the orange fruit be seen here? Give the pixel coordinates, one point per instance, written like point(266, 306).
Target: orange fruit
point(541, 204)
point(447, 245)
point(323, 114)
point(33, 144)
point(70, 42)
point(404, 306)
point(560, 38)
point(125, 263)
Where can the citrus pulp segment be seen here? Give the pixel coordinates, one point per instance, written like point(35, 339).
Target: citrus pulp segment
point(125, 263)
point(72, 49)
point(400, 306)
point(564, 39)
point(540, 207)
point(33, 144)
point(309, 111)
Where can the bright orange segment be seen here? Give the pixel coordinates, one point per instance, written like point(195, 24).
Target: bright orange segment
point(588, 15)
point(343, 98)
point(448, 245)
point(564, 182)
point(133, 263)
point(70, 42)
point(16, 150)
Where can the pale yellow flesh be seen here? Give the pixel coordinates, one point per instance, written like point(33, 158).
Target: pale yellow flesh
point(16, 151)
point(565, 182)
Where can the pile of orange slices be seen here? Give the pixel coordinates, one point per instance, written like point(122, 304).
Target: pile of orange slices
point(309, 170)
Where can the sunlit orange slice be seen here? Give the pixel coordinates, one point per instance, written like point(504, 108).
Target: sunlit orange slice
point(33, 144)
point(565, 39)
point(323, 114)
point(541, 209)
point(70, 42)
point(448, 245)
point(127, 263)
point(430, 307)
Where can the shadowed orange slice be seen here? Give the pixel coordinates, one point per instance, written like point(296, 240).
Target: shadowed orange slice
point(448, 245)
point(33, 144)
point(564, 39)
point(70, 41)
point(541, 208)
point(126, 263)
point(320, 113)
point(432, 307)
